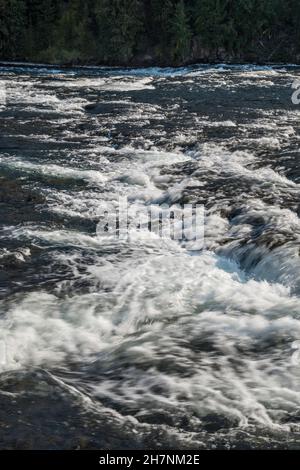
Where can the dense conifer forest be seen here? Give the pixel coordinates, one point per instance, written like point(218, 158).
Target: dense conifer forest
point(147, 32)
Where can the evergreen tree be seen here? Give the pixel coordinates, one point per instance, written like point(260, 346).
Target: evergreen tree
point(210, 21)
point(41, 21)
point(116, 31)
point(119, 23)
point(181, 34)
point(243, 33)
point(161, 19)
point(12, 28)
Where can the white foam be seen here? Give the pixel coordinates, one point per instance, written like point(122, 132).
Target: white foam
point(53, 170)
point(108, 84)
point(226, 335)
point(36, 96)
point(217, 158)
point(165, 313)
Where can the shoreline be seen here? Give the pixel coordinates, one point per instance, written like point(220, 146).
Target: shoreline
point(4, 63)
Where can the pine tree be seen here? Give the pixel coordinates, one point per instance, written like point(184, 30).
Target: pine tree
point(119, 23)
point(12, 28)
point(240, 33)
point(210, 18)
point(41, 18)
point(115, 31)
point(161, 30)
point(181, 33)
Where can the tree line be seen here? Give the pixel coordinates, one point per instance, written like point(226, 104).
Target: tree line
point(149, 31)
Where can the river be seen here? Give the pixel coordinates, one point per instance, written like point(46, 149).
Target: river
point(149, 342)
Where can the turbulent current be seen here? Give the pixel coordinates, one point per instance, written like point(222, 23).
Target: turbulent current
point(148, 342)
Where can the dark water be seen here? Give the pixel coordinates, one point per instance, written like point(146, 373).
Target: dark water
point(148, 343)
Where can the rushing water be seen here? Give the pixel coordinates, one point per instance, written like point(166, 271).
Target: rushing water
point(147, 343)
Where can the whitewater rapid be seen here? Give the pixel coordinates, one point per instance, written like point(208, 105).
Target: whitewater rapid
point(197, 343)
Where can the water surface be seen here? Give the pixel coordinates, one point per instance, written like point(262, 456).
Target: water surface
point(148, 343)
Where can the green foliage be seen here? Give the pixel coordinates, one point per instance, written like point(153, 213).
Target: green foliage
point(159, 19)
point(170, 31)
point(211, 22)
point(119, 23)
point(180, 33)
point(12, 27)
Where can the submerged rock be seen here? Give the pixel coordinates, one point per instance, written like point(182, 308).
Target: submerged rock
point(14, 192)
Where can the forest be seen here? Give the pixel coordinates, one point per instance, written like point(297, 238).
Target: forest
point(149, 32)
